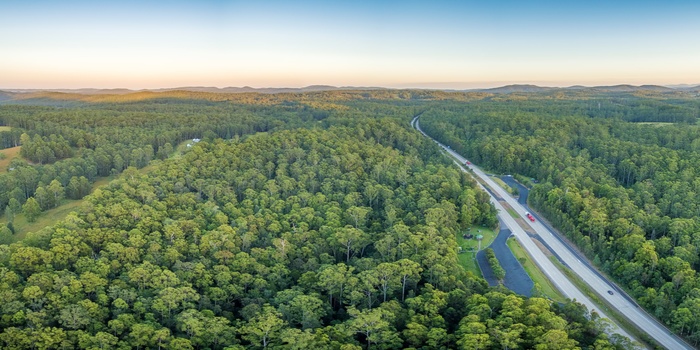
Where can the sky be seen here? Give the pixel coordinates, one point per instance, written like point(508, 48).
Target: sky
point(404, 44)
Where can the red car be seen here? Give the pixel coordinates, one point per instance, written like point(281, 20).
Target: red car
point(468, 163)
point(529, 216)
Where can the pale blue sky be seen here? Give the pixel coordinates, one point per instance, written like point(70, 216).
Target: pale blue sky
point(455, 44)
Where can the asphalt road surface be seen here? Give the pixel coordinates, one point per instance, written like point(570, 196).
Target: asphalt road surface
point(596, 281)
point(516, 278)
point(524, 192)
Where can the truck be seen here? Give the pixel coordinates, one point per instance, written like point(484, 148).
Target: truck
point(529, 216)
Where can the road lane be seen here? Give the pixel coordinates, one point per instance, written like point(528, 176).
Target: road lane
point(601, 285)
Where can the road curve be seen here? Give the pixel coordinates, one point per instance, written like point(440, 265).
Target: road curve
point(598, 283)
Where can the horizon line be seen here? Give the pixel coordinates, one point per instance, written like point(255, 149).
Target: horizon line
point(407, 86)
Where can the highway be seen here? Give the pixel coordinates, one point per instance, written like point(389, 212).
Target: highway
point(595, 280)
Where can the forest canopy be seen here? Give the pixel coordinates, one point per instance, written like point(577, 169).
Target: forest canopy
point(316, 220)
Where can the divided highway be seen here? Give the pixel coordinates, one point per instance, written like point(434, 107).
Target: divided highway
point(598, 283)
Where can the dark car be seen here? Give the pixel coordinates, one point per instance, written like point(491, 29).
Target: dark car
point(610, 292)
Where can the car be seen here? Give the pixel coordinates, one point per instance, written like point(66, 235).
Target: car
point(529, 216)
point(468, 163)
point(610, 292)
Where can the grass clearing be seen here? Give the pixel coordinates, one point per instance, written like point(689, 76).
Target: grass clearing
point(538, 277)
point(5, 128)
point(47, 218)
point(656, 124)
point(101, 181)
point(51, 216)
point(181, 148)
point(470, 246)
point(468, 260)
point(9, 155)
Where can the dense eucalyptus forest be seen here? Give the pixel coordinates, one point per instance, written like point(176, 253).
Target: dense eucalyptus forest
point(321, 220)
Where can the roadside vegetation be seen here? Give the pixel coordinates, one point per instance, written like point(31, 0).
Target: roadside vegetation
point(512, 213)
point(543, 286)
point(498, 272)
point(512, 191)
point(524, 180)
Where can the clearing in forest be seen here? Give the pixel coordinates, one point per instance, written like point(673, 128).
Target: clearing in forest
point(9, 154)
point(470, 245)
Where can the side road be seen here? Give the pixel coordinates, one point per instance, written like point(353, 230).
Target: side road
point(516, 278)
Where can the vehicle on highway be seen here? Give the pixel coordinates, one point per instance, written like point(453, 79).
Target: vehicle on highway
point(468, 163)
point(610, 292)
point(529, 216)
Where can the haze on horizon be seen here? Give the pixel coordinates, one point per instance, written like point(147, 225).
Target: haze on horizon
point(438, 44)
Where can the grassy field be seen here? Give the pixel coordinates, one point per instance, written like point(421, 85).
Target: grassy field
point(10, 153)
point(469, 247)
point(47, 218)
point(5, 128)
point(101, 181)
point(538, 277)
point(51, 216)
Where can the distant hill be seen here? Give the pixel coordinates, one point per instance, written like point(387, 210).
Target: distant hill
point(230, 89)
point(85, 91)
point(684, 86)
point(56, 94)
point(527, 88)
point(632, 88)
point(690, 88)
point(5, 96)
point(517, 88)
